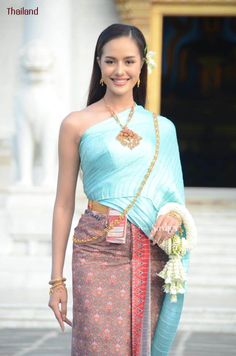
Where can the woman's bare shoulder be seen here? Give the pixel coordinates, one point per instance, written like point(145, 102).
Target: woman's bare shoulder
point(77, 117)
point(76, 121)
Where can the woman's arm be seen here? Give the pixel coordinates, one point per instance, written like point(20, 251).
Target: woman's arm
point(69, 163)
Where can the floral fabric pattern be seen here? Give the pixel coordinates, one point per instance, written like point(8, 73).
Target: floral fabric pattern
point(103, 296)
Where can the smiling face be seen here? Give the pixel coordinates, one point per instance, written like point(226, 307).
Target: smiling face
point(120, 64)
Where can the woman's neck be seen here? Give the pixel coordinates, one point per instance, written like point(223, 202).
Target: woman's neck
point(117, 103)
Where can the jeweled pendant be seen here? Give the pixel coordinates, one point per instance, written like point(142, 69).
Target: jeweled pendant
point(128, 138)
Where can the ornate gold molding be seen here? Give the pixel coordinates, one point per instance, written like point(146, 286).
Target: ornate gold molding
point(135, 12)
point(188, 2)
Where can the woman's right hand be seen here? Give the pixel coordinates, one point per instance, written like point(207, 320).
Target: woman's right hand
point(59, 296)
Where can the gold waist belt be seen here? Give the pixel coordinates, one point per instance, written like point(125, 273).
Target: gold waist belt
point(95, 205)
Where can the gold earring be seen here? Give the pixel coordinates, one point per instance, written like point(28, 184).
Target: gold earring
point(101, 81)
point(138, 83)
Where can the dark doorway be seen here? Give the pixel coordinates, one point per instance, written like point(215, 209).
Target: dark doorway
point(199, 96)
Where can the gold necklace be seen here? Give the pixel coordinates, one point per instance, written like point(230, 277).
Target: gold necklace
point(126, 136)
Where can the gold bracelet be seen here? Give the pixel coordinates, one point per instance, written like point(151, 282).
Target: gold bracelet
point(176, 215)
point(57, 284)
point(51, 290)
point(53, 281)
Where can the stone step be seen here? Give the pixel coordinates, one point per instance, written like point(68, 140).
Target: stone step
point(207, 215)
point(211, 275)
point(25, 316)
point(214, 260)
point(215, 230)
point(197, 258)
point(207, 318)
point(204, 281)
point(215, 240)
point(211, 279)
point(196, 295)
point(217, 219)
point(29, 271)
point(217, 250)
point(193, 318)
point(202, 223)
point(211, 253)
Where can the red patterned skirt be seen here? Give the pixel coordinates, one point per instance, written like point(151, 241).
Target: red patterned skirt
point(117, 295)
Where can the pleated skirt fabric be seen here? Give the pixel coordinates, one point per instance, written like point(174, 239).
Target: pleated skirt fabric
point(117, 295)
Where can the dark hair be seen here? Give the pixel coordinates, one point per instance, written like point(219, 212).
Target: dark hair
point(96, 90)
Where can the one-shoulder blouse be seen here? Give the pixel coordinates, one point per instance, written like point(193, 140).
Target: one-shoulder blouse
point(112, 173)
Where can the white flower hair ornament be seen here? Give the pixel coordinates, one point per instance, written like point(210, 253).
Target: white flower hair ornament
point(149, 59)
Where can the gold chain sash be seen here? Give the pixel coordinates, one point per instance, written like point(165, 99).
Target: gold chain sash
point(109, 227)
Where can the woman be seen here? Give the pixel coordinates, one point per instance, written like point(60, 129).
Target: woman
point(131, 172)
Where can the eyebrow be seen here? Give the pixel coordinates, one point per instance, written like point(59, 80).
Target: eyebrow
point(115, 58)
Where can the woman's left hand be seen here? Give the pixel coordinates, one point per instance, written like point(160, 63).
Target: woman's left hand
point(164, 228)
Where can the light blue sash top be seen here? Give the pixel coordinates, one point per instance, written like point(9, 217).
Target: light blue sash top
point(112, 174)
